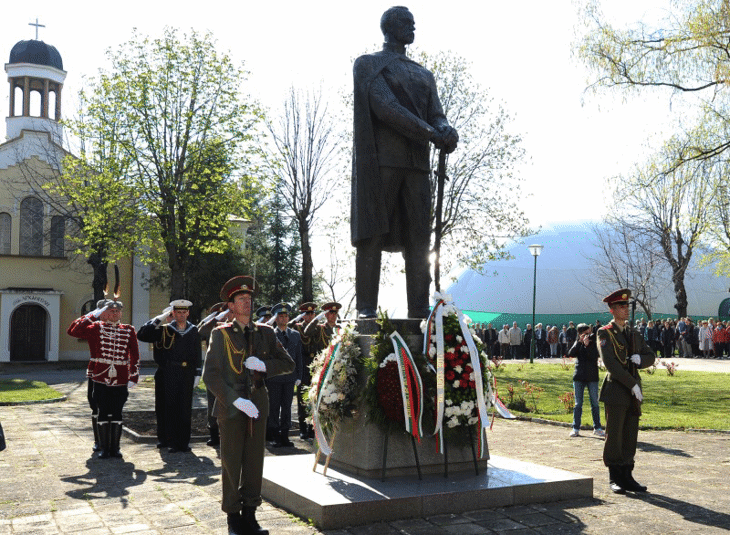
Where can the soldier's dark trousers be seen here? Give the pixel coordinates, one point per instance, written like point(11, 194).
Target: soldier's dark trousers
point(281, 396)
point(622, 430)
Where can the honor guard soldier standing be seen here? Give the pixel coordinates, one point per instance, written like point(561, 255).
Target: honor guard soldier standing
point(113, 368)
point(624, 351)
point(309, 350)
point(281, 387)
point(240, 356)
point(219, 313)
point(177, 352)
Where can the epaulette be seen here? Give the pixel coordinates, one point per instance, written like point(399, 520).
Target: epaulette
point(222, 325)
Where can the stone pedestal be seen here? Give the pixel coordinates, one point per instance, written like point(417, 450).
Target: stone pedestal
point(358, 445)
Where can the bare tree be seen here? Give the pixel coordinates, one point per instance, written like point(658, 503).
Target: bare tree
point(628, 257)
point(307, 144)
point(672, 208)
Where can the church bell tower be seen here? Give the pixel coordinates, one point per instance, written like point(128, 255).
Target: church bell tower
point(36, 76)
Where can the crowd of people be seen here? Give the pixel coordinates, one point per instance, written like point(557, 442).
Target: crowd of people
point(253, 364)
point(666, 337)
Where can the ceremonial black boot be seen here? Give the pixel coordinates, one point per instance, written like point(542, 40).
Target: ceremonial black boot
point(629, 482)
point(250, 523)
point(115, 436)
point(103, 440)
point(236, 524)
point(215, 438)
point(95, 429)
point(284, 439)
point(616, 480)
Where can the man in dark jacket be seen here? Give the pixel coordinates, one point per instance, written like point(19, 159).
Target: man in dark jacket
point(281, 387)
point(623, 351)
point(585, 353)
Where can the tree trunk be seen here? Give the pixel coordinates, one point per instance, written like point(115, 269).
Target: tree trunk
point(680, 293)
point(307, 264)
point(99, 281)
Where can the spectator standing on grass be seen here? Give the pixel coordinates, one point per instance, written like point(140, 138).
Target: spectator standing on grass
point(705, 338)
point(666, 338)
point(563, 341)
point(585, 353)
point(515, 339)
point(552, 339)
point(503, 339)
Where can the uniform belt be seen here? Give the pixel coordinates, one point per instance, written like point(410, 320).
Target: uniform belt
point(183, 364)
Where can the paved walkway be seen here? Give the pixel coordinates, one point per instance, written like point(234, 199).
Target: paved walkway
point(50, 483)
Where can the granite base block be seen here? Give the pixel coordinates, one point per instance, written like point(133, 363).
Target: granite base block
point(340, 499)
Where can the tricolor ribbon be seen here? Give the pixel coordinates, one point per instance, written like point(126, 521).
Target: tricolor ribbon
point(411, 386)
point(436, 319)
point(324, 376)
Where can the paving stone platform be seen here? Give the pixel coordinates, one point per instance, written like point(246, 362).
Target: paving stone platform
point(50, 484)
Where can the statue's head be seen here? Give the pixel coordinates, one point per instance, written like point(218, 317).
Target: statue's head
point(397, 25)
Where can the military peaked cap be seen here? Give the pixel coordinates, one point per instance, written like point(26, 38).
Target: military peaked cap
point(237, 285)
point(281, 308)
point(619, 296)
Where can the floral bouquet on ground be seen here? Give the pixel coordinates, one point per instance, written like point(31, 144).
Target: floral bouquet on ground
point(333, 390)
point(463, 379)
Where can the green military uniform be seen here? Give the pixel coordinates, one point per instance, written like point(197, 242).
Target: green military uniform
point(242, 438)
point(616, 345)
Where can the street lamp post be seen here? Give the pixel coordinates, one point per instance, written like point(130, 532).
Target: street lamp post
point(535, 251)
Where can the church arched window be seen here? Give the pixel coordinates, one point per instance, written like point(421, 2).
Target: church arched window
point(58, 231)
point(31, 227)
point(6, 224)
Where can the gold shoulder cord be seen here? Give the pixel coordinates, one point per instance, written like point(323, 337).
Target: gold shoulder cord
point(161, 343)
point(231, 350)
point(618, 349)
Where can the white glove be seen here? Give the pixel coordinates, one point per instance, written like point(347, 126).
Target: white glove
point(96, 312)
point(256, 364)
point(297, 382)
point(196, 381)
point(636, 359)
point(636, 391)
point(320, 315)
point(222, 315)
point(162, 317)
point(300, 316)
point(247, 407)
point(131, 385)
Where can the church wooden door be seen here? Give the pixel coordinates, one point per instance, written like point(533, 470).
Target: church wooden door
point(28, 333)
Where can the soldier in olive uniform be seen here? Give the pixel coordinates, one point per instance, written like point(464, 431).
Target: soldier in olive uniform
point(320, 334)
point(623, 351)
point(310, 349)
point(240, 356)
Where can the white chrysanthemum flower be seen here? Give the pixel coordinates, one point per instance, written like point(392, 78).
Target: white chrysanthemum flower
point(423, 326)
point(456, 384)
point(458, 369)
point(449, 402)
point(459, 338)
point(432, 351)
point(473, 420)
point(453, 422)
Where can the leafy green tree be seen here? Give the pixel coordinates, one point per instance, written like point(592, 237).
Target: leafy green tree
point(676, 195)
point(166, 124)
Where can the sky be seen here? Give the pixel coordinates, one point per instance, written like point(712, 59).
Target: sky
point(520, 51)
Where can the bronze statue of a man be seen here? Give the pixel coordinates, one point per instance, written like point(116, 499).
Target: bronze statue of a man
point(397, 114)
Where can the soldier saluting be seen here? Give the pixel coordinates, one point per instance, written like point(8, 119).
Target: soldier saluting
point(623, 351)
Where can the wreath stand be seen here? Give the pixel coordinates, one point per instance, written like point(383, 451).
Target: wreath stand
point(385, 453)
point(319, 452)
point(473, 453)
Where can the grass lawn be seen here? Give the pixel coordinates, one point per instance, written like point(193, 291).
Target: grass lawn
point(19, 390)
point(686, 400)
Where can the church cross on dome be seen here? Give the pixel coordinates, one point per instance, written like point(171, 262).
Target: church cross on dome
point(36, 27)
